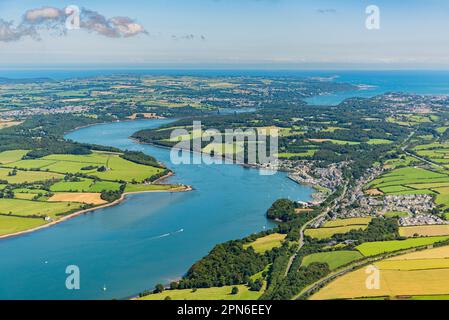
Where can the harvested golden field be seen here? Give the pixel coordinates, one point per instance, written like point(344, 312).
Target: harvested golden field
point(435, 253)
point(409, 265)
point(414, 274)
point(267, 243)
point(374, 192)
point(347, 222)
point(424, 231)
point(392, 283)
point(89, 198)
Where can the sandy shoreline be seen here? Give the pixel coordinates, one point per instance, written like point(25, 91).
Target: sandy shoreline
point(86, 211)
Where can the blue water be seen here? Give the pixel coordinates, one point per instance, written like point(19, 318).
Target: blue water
point(417, 82)
point(148, 239)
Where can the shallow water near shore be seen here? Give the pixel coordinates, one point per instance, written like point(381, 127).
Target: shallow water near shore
point(149, 238)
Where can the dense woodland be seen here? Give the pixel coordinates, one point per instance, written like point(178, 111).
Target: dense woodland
point(313, 123)
point(226, 264)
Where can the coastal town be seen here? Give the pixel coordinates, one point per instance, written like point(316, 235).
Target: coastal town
point(358, 201)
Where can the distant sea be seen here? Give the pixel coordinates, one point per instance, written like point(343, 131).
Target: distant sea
point(374, 82)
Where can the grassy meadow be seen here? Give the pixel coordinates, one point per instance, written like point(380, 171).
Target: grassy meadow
point(267, 243)
point(117, 168)
point(9, 225)
point(414, 181)
point(375, 248)
point(216, 293)
point(339, 226)
point(334, 259)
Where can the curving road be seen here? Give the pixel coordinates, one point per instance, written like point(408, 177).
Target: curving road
point(308, 223)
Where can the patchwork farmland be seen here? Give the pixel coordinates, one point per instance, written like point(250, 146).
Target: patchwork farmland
point(339, 226)
point(415, 181)
point(418, 275)
point(40, 191)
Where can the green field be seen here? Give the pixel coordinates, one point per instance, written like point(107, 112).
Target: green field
point(33, 174)
point(409, 181)
point(407, 176)
point(100, 186)
point(80, 186)
point(379, 141)
point(334, 259)
point(118, 169)
point(332, 129)
point(121, 169)
point(31, 164)
point(32, 191)
point(36, 208)
point(267, 243)
point(223, 293)
point(325, 233)
point(442, 130)
point(374, 248)
point(395, 189)
point(436, 152)
point(347, 222)
point(442, 197)
point(306, 153)
point(10, 225)
point(224, 148)
point(342, 142)
point(148, 187)
point(404, 161)
point(27, 176)
point(12, 156)
point(396, 214)
point(24, 196)
point(99, 158)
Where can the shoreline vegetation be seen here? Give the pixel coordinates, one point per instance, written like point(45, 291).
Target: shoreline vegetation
point(123, 196)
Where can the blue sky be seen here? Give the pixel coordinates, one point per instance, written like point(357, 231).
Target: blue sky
point(271, 33)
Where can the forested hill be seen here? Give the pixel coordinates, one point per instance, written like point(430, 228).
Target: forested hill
point(321, 133)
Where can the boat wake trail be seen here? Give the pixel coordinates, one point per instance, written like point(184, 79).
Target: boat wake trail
point(167, 234)
point(161, 236)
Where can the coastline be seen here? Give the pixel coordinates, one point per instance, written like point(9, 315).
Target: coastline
point(118, 120)
point(106, 205)
point(92, 210)
point(122, 198)
point(224, 158)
